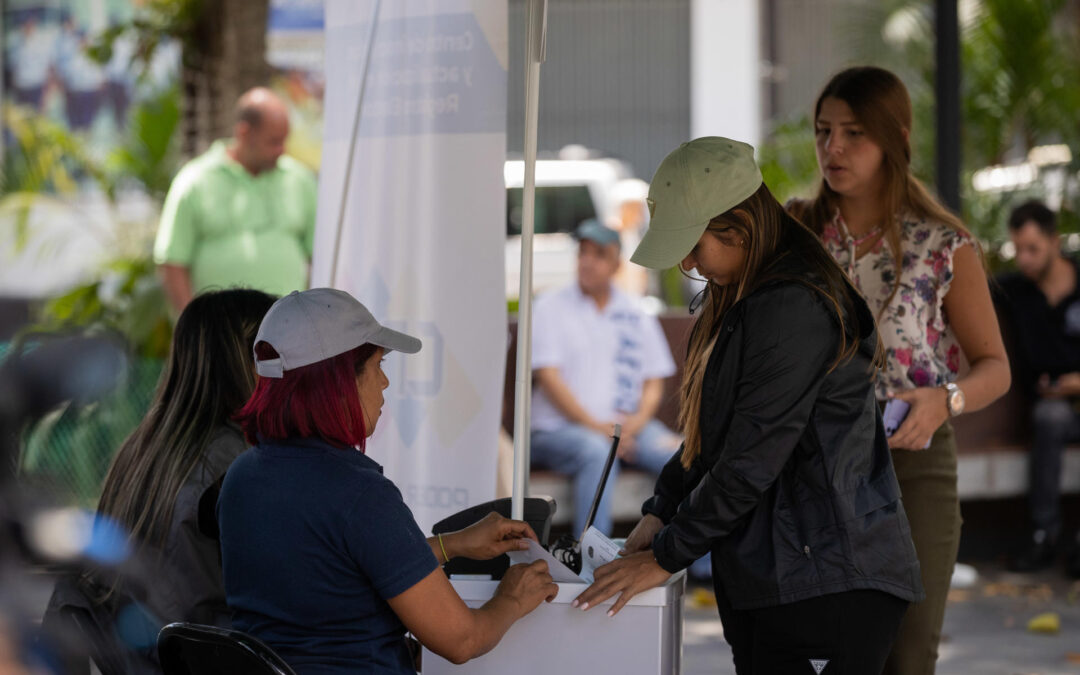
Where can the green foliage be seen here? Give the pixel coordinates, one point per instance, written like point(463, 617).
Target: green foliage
point(1021, 65)
point(68, 451)
point(126, 296)
point(1020, 79)
point(45, 159)
point(788, 161)
point(41, 157)
point(157, 22)
point(672, 290)
point(148, 155)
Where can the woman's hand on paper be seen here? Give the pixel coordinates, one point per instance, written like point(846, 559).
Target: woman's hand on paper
point(642, 535)
point(528, 584)
point(489, 538)
point(626, 577)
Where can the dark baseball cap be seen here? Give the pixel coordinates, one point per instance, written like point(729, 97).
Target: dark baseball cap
point(593, 231)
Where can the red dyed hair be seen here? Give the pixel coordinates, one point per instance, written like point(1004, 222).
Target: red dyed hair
point(319, 400)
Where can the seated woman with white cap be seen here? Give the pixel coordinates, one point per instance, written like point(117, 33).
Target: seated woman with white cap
point(322, 559)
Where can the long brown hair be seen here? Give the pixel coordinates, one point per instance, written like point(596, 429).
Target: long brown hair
point(882, 106)
point(209, 374)
point(770, 235)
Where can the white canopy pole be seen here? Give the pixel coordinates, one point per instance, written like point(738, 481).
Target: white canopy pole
point(352, 142)
point(536, 45)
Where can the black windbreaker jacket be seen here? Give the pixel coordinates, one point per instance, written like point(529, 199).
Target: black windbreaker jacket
point(794, 491)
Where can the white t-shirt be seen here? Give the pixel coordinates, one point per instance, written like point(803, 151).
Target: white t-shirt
point(603, 356)
point(30, 58)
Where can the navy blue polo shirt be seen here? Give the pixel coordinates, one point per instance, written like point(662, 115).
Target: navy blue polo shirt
point(314, 540)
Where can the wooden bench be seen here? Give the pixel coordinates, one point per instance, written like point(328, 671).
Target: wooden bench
point(993, 448)
point(993, 442)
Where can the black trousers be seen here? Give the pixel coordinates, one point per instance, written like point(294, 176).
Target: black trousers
point(848, 633)
point(1054, 424)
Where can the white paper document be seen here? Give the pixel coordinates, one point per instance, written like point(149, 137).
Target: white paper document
point(596, 550)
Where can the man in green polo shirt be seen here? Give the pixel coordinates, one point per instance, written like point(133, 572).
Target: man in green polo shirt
point(242, 214)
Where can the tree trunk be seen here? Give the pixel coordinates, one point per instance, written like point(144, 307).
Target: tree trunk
point(226, 58)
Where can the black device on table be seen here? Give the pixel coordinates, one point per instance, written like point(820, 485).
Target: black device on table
point(538, 514)
point(566, 549)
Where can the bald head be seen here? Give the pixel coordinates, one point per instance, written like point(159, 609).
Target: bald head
point(262, 125)
point(257, 104)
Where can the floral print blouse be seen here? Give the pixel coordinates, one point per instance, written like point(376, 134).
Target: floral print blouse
point(920, 347)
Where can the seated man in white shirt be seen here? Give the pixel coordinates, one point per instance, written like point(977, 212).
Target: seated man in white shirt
point(597, 359)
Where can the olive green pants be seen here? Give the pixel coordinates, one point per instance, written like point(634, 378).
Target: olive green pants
point(928, 487)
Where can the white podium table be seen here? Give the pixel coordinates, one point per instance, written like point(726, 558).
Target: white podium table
point(644, 638)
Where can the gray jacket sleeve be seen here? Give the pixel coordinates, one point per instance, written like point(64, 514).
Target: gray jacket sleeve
point(192, 588)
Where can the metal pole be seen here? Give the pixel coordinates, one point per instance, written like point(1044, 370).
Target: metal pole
point(772, 53)
point(947, 93)
point(536, 39)
point(615, 437)
point(352, 143)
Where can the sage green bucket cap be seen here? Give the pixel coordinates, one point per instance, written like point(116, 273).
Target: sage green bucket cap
point(698, 181)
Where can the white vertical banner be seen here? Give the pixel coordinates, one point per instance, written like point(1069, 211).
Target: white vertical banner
point(423, 227)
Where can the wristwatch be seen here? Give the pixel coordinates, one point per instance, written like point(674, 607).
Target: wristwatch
point(954, 399)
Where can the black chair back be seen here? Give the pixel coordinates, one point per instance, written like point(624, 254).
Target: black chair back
point(194, 649)
point(79, 625)
point(78, 628)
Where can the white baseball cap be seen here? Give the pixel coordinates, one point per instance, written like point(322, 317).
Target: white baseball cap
point(306, 327)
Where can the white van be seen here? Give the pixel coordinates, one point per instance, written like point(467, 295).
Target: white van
point(568, 191)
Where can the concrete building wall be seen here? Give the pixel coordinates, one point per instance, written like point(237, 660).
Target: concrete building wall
point(616, 78)
point(811, 40)
point(619, 73)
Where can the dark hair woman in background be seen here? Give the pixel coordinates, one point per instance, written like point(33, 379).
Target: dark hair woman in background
point(163, 482)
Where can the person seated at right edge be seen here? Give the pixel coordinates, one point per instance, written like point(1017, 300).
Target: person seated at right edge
point(1042, 302)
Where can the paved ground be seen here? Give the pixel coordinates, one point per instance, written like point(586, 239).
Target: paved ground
point(985, 629)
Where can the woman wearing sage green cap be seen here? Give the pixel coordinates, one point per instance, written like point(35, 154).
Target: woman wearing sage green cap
point(920, 271)
point(322, 558)
point(785, 474)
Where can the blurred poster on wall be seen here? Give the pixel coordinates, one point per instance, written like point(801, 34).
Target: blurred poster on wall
point(48, 71)
point(295, 49)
